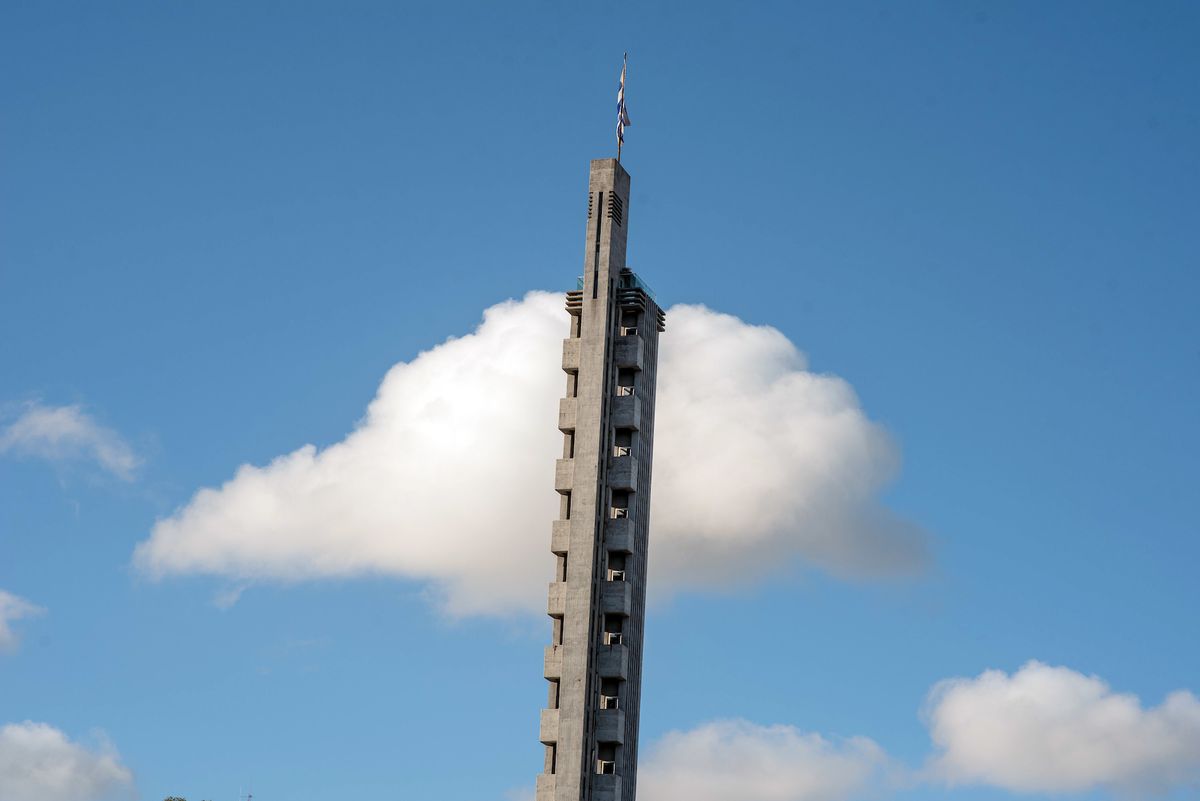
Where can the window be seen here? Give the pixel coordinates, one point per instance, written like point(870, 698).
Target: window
point(625, 382)
point(612, 629)
point(629, 324)
point(551, 758)
point(620, 505)
point(610, 691)
point(606, 758)
point(616, 575)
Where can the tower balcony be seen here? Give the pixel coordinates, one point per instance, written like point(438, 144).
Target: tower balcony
point(616, 597)
point(560, 536)
point(548, 728)
point(567, 408)
point(570, 356)
point(618, 534)
point(556, 601)
point(627, 412)
point(623, 473)
point(606, 787)
point(564, 475)
point(610, 726)
point(629, 351)
point(612, 661)
point(553, 662)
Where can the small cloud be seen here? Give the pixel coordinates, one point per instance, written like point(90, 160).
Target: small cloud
point(1050, 729)
point(736, 759)
point(39, 763)
point(67, 433)
point(228, 597)
point(13, 608)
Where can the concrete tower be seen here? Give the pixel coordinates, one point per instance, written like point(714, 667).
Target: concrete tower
point(597, 600)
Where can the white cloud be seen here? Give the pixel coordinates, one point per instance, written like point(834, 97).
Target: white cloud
point(61, 433)
point(741, 761)
point(13, 608)
point(449, 477)
point(39, 763)
point(1051, 729)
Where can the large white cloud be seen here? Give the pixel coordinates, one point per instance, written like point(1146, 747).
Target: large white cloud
point(13, 608)
point(741, 761)
point(60, 433)
point(449, 477)
point(39, 763)
point(1051, 729)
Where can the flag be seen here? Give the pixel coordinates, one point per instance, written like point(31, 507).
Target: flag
point(622, 112)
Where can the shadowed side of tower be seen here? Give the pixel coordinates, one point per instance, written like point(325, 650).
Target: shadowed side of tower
point(597, 599)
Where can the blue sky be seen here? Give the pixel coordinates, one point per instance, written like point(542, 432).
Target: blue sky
point(222, 224)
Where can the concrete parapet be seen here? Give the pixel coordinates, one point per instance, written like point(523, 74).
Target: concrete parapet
point(622, 473)
point(618, 534)
point(627, 412)
point(548, 730)
point(606, 788)
point(610, 726)
point(564, 475)
point(629, 352)
point(612, 661)
point(567, 408)
point(556, 599)
point(616, 597)
point(552, 668)
point(560, 536)
point(570, 357)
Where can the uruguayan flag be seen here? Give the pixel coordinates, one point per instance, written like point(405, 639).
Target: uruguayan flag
point(622, 112)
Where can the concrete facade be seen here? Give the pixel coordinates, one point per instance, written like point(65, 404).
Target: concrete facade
point(597, 600)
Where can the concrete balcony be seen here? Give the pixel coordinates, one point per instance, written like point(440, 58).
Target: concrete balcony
point(552, 667)
point(616, 597)
point(547, 785)
point(627, 412)
point(548, 730)
point(566, 414)
point(623, 473)
point(564, 475)
point(618, 535)
point(610, 726)
point(570, 361)
point(612, 661)
point(556, 601)
point(560, 536)
point(629, 352)
point(605, 787)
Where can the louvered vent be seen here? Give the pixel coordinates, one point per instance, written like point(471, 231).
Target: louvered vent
point(591, 197)
point(616, 209)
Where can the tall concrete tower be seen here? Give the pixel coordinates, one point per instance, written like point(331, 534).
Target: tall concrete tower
point(597, 600)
